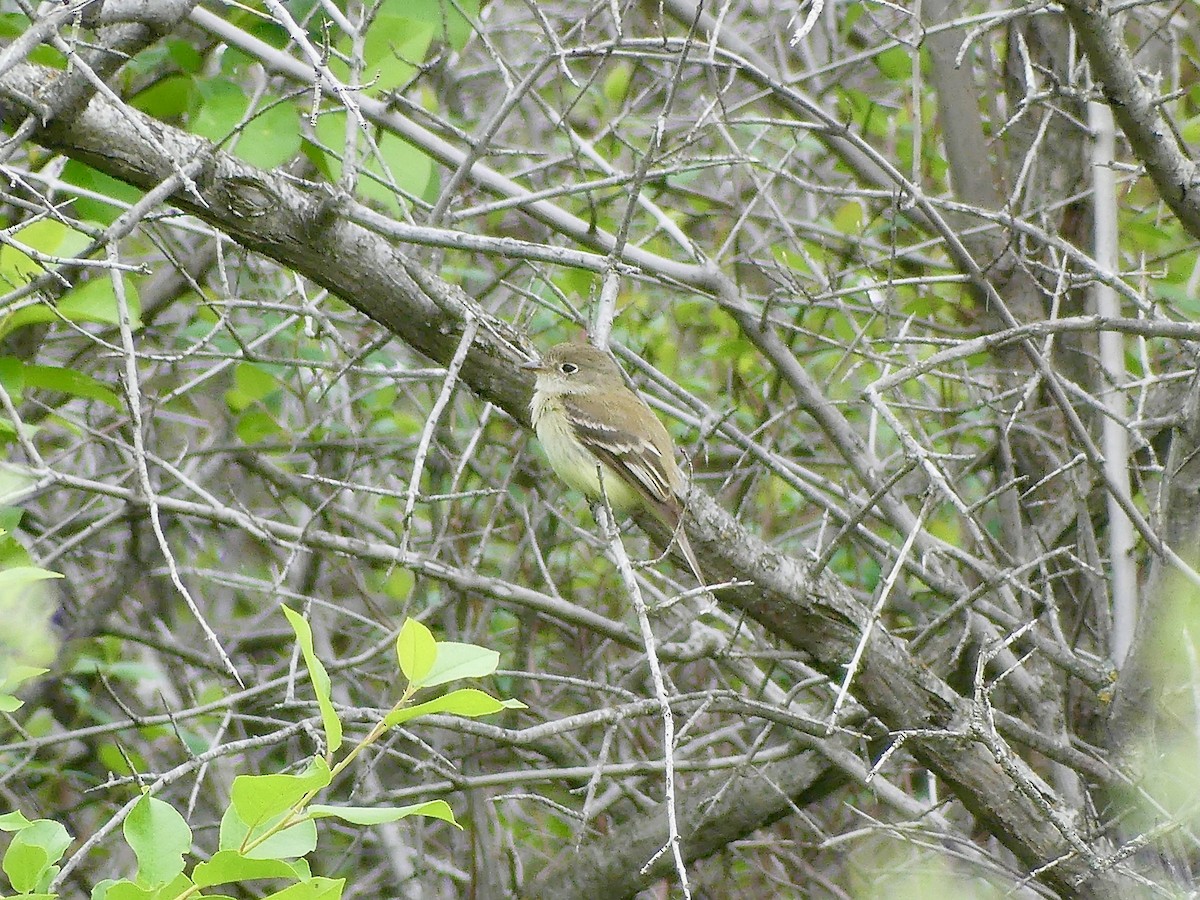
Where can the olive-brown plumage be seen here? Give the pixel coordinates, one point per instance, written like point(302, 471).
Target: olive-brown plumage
point(592, 425)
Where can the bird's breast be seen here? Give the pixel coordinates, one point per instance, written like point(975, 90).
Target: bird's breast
point(570, 460)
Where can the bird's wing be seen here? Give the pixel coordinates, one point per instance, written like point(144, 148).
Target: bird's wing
point(646, 464)
point(639, 461)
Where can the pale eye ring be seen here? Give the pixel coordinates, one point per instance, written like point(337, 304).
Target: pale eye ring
point(569, 368)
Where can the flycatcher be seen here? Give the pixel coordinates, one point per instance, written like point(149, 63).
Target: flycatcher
point(593, 426)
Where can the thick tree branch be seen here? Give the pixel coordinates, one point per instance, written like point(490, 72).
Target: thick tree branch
point(1137, 110)
point(719, 809)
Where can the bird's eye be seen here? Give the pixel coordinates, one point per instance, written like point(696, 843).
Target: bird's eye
point(569, 368)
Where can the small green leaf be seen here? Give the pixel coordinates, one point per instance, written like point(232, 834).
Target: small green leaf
point(184, 55)
point(159, 837)
point(127, 890)
point(465, 702)
point(14, 821)
point(616, 83)
point(24, 651)
point(393, 49)
point(71, 382)
point(404, 165)
point(455, 660)
point(377, 815)
point(319, 678)
point(12, 25)
point(92, 301)
point(291, 843)
point(228, 865)
point(446, 16)
point(894, 63)
point(167, 99)
point(10, 679)
point(259, 798)
point(33, 852)
point(251, 384)
point(44, 236)
point(12, 377)
point(256, 425)
point(95, 207)
point(271, 138)
point(417, 651)
point(849, 218)
point(19, 576)
point(18, 673)
point(223, 105)
point(316, 889)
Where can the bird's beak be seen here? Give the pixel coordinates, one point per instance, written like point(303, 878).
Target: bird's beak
point(534, 365)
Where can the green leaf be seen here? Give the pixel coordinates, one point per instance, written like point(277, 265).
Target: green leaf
point(257, 425)
point(455, 660)
point(11, 678)
point(377, 815)
point(18, 673)
point(159, 837)
point(228, 866)
point(33, 852)
point(465, 702)
point(319, 678)
point(394, 47)
point(446, 16)
point(45, 55)
point(184, 55)
point(12, 553)
point(14, 821)
point(12, 25)
point(92, 301)
point(16, 377)
point(402, 164)
point(45, 236)
point(271, 138)
point(894, 63)
point(19, 576)
point(167, 99)
point(12, 376)
point(127, 890)
point(223, 105)
point(316, 889)
point(94, 208)
point(25, 598)
point(417, 651)
point(259, 798)
point(72, 382)
point(616, 83)
point(251, 384)
point(848, 219)
point(293, 842)
point(1189, 130)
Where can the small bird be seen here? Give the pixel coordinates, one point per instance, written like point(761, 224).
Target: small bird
point(590, 422)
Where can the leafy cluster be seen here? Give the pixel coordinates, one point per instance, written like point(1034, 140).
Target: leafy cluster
point(269, 828)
